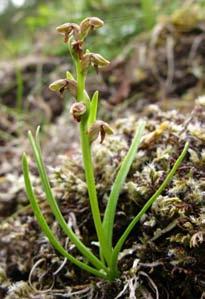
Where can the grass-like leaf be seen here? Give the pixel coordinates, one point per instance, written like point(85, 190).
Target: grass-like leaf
point(148, 204)
point(54, 206)
point(45, 228)
point(93, 108)
point(108, 221)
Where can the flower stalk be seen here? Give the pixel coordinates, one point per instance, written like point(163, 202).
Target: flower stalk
point(84, 111)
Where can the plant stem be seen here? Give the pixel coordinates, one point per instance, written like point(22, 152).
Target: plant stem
point(80, 82)
point(90, 180)
point(88, 165)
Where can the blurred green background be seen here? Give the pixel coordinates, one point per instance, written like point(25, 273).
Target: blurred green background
point(27, 29)
point(27, 25)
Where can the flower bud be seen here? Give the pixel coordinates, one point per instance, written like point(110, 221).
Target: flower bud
point(64, 84)
point(90, 23)
point(67, 29)
point(99, 128)
point(77, 110)
point(93, 59)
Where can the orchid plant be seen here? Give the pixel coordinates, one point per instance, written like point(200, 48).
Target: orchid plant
point(84, 111)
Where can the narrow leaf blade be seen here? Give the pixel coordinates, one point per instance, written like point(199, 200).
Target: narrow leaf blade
point(54, 206)
point(108, 221)
point(148, 204)
point(44, 226)
point(93, 108)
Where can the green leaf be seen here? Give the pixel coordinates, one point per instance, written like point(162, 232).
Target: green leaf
point(44, 226)
point(108, 221)
point(69, 76)
point(54, 206)
point(148, 205)
point(93, 108)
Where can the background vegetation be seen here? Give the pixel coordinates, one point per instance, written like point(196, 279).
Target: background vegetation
point(25, 23)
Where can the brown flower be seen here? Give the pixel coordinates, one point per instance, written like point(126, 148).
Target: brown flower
point(99, 128)
point(88, 24)
point(67, 29)
point(64, 84)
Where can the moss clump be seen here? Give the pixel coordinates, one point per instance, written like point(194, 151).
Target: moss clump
point(173, 231)
point(167, 247)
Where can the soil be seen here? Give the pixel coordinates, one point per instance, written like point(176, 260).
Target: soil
point(164, 257)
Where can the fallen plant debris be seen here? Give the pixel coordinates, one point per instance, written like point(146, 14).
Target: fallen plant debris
point(166, 65)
